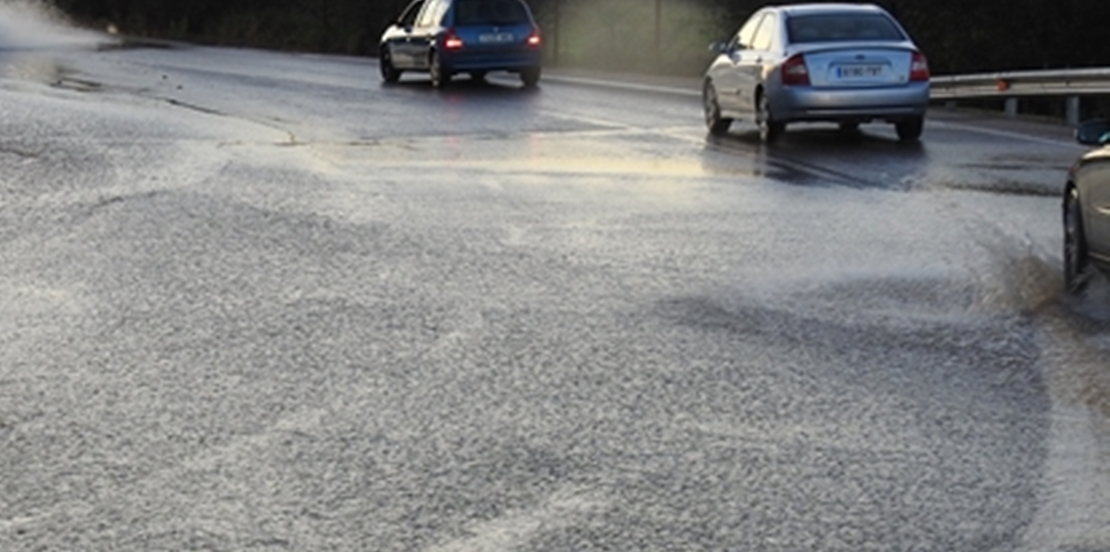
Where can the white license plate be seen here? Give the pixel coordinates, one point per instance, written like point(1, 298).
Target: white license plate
point(495, 38)
point(849, 72)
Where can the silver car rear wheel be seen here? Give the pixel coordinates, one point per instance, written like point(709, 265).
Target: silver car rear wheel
point(910, 130)
point(717, 125)
point(770, 130)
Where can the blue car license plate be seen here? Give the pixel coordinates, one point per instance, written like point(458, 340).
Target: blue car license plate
point(495, 38)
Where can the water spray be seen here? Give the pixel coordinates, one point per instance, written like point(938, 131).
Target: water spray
point(36, 25)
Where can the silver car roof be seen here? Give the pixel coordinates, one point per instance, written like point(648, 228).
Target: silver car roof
point(815, 9)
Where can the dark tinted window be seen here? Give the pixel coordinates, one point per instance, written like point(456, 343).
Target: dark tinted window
point(835, 27)
point(408, 18)
point(490, 12)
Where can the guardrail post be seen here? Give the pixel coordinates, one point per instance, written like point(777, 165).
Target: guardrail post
point(1074, 113)
point(1012, 108)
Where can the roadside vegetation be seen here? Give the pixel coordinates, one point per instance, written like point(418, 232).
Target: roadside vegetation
point(665, 36)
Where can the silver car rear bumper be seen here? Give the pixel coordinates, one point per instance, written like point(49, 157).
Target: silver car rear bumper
point(797, 104)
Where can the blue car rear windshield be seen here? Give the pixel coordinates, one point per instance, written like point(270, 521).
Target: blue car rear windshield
point(842, 27)
point(490, 12)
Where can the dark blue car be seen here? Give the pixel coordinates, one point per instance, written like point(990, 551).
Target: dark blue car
point(448, 37)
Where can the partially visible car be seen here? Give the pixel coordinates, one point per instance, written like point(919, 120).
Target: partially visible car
point(842, 63)
point(447, 37)
point(1087, 208)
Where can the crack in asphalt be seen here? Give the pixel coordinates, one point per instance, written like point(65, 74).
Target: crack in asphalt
point(10, 150)
point(79, 85)
point(292, 136)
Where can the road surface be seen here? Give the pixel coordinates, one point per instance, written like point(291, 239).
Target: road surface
point(259, 301)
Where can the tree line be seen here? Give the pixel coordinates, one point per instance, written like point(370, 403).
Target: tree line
point(669, 36)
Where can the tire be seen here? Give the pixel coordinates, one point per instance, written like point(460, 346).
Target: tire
point(390, 74)
point(530, 77)
point(910, 130)
point(1076, 260)
point(718, 125)
point(770, 130)
point(441, 76)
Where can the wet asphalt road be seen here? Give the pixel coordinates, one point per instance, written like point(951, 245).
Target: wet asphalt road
point(260, 301)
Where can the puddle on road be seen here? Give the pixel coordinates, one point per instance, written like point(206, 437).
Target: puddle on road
point(1004, 186)
point(621, 154)
point(29, 66)
point(550, 154)
point(42, 68)
point(1009, 161)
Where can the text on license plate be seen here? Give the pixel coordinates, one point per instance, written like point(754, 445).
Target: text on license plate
point(859, 71)
point(495, 38)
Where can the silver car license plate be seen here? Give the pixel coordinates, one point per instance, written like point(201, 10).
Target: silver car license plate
point(852, 72)
point(495, 38)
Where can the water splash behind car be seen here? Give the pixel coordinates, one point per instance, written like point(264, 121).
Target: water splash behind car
point(35, 26)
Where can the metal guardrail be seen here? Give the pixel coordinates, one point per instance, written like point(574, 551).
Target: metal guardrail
point(1012, 87)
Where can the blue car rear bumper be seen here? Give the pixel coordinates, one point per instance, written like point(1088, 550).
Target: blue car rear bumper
point(491, 61)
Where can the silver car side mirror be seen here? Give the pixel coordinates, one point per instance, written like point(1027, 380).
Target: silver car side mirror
point(720, 47)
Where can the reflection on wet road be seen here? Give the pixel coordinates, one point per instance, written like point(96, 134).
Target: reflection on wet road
point(260, 300)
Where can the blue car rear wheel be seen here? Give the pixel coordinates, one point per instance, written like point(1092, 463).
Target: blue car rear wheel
point(441, 76)
point(530, 77)
point(390, 73)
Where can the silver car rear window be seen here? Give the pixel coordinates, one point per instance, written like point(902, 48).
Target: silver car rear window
point(841, 27)
point(490, 12)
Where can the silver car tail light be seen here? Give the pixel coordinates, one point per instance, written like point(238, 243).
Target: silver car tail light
point(795, 72)
point(919, 68)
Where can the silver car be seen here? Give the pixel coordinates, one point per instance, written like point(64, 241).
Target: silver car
point(1087, 208)
point(839, 63)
